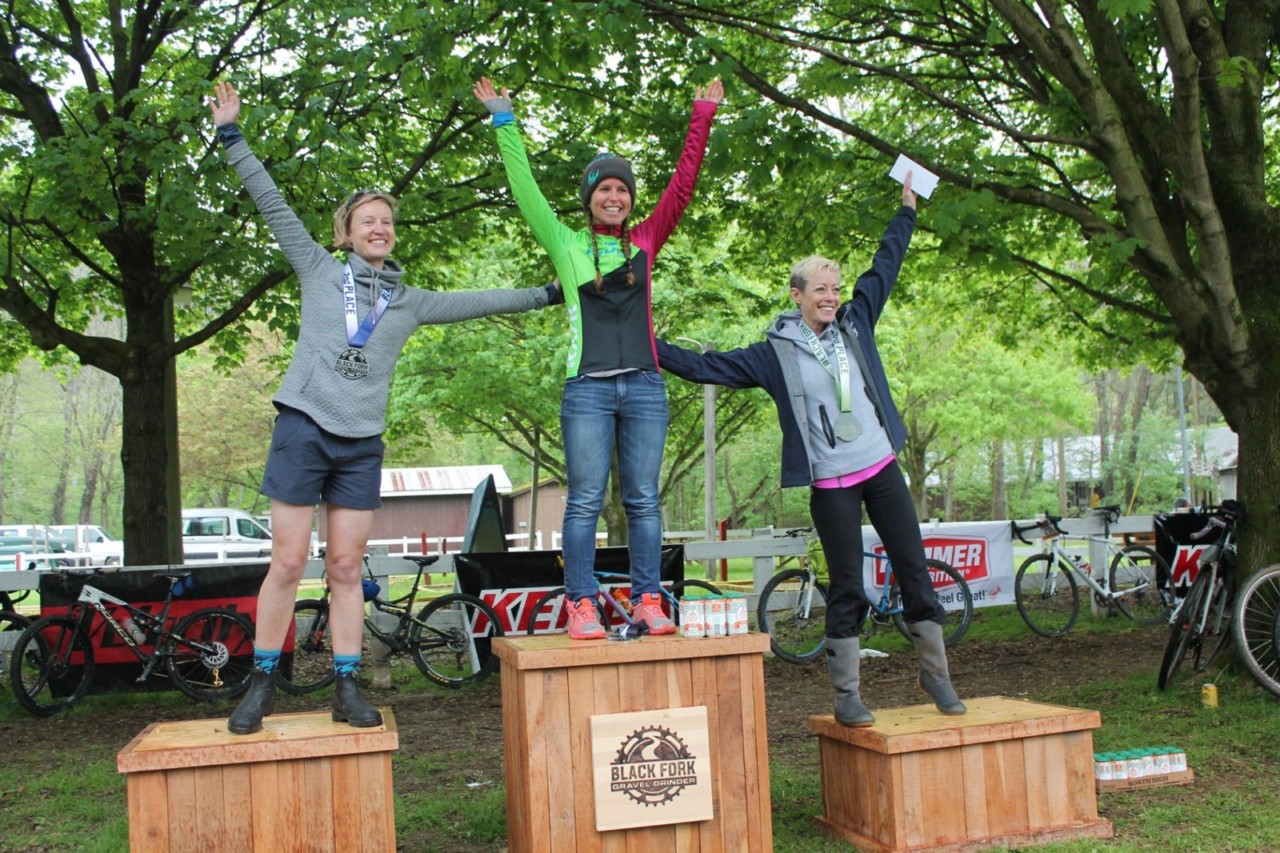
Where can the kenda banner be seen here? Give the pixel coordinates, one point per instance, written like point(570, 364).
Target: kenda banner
point(981, 551)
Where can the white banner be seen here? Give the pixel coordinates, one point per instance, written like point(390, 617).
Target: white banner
point(981, 551)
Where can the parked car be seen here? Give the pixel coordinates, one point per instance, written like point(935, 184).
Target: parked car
point(34, 540)
point(104, 549)
point(222, 533)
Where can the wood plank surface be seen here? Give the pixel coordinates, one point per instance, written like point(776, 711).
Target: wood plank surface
point(548, 651)
point(990, 718)
point(203, 743)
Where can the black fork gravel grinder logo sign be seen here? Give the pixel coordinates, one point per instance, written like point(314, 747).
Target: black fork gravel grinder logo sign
point(653, 765)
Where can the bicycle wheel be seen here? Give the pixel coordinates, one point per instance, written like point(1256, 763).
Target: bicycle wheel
point(1047, 595)
point(451, 637)
point(1256, 626)
point(672, 605)
point(793, 612)
point(11, 625)
point(1139, 580)
point(210, 653)
point(51, 666)
point(312, 666)
point(958, 615)
point(1185, 632)
point(1217, 629)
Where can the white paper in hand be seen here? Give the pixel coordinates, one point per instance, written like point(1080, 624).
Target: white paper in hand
point(922, 180)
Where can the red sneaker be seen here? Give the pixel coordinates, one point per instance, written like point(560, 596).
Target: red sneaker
point(650, 610)
point(584, 621)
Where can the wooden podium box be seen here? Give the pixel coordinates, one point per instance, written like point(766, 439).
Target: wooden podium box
point(552, 687)
point(1008, 772)
point(193, 786)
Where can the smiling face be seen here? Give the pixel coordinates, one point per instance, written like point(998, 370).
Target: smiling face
point(371, 230)
point(819, 298)
point(610, 202)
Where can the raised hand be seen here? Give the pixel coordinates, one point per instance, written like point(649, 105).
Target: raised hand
point(225, 105)
point(908, 197)
point(493, 101)
point(714, 92)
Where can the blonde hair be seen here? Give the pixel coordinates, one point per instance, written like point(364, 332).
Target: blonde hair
point(806, 269)
point(342, 216)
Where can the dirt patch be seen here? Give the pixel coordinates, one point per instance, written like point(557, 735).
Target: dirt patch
point(450, 740)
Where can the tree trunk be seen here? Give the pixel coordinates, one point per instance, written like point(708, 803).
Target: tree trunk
point(149, 441)
point(999, 499)
point(8, 416)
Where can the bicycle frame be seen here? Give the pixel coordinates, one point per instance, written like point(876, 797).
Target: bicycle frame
point(1075, 563)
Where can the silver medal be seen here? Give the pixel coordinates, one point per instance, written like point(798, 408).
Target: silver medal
point(847, 427)
point(352, 364)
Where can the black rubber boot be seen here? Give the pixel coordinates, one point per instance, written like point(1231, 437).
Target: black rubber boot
point(935, 677)
point(350, 707)
point(256, 704)
point(843, 664)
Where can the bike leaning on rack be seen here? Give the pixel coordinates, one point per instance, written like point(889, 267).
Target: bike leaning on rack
point(207, 654)
point(1255, 623)
point(1047, 592)
point(449, 638)
point(792, 608)
point(1202, 623)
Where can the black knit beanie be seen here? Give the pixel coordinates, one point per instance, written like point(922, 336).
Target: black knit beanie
point(606, 165)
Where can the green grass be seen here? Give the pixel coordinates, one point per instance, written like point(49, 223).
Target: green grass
point(70, 797)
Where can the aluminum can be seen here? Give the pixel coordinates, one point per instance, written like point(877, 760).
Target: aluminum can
point(1119, 767)
point(1177, 760)
point(693, 616)
point(1209, 695)
point(717, 621)
point(1164, 764)
point(1102, 767)
point(736, 612)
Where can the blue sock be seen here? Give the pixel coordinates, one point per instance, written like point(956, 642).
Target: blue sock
point(266, 660)
point(346, 664)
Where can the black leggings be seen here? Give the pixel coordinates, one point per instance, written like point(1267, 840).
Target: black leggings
point(837, 517)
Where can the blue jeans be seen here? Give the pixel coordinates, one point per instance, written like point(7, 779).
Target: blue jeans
point(628, 410)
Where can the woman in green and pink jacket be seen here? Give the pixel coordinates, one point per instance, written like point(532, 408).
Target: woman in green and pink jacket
point(614, 393)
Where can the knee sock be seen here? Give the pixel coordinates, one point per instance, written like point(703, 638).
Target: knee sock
point(266, 659)
point(346, 664)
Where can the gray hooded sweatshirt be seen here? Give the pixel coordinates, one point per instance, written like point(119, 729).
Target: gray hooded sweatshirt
point(314, 384)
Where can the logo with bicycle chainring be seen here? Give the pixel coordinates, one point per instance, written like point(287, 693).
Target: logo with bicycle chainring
point(653, 765)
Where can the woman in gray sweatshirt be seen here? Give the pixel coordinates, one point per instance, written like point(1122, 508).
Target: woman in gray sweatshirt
point(327, 446)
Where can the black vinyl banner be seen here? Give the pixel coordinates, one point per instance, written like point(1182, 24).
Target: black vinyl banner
point(116, 667)
point(1174, 542)
point(512, 582)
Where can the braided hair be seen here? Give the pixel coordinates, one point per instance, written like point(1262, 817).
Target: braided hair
point(626, 254)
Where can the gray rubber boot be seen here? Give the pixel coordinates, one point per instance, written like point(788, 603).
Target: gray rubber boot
point(935, 678)
point(257, 703)
point(843, 666)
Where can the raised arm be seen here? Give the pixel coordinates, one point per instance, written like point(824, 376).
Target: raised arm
point(295, 241)
point(872, 289)
point(679, 192)
point(547, 229)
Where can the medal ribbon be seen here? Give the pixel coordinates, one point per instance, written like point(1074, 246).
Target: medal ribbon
point(358, 334)
point(840, 373)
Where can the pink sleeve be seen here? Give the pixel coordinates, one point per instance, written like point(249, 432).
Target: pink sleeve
point(653, 232)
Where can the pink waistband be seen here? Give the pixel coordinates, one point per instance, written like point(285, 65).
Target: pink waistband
point(844, 481)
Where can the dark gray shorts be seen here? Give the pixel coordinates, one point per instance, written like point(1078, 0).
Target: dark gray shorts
point(307, 465)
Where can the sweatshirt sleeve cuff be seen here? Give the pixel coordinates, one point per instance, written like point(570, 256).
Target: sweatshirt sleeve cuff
point(228, 134)
point(555, 296)
point(503, 119)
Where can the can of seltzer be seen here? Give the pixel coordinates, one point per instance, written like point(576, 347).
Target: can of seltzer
point(736, 612)
point(693, 616)
point(717, 623)
point(1209, 695)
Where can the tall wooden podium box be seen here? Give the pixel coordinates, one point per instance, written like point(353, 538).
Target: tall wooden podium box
point(557, 692)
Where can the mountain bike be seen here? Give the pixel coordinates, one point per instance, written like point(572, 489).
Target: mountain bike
point(1139, 583)
point(1202, 623)
point(1255, 624)
point(550, 615)
point(207, 654)
point(793, 606)
point(11, 625)
point(449, 638)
